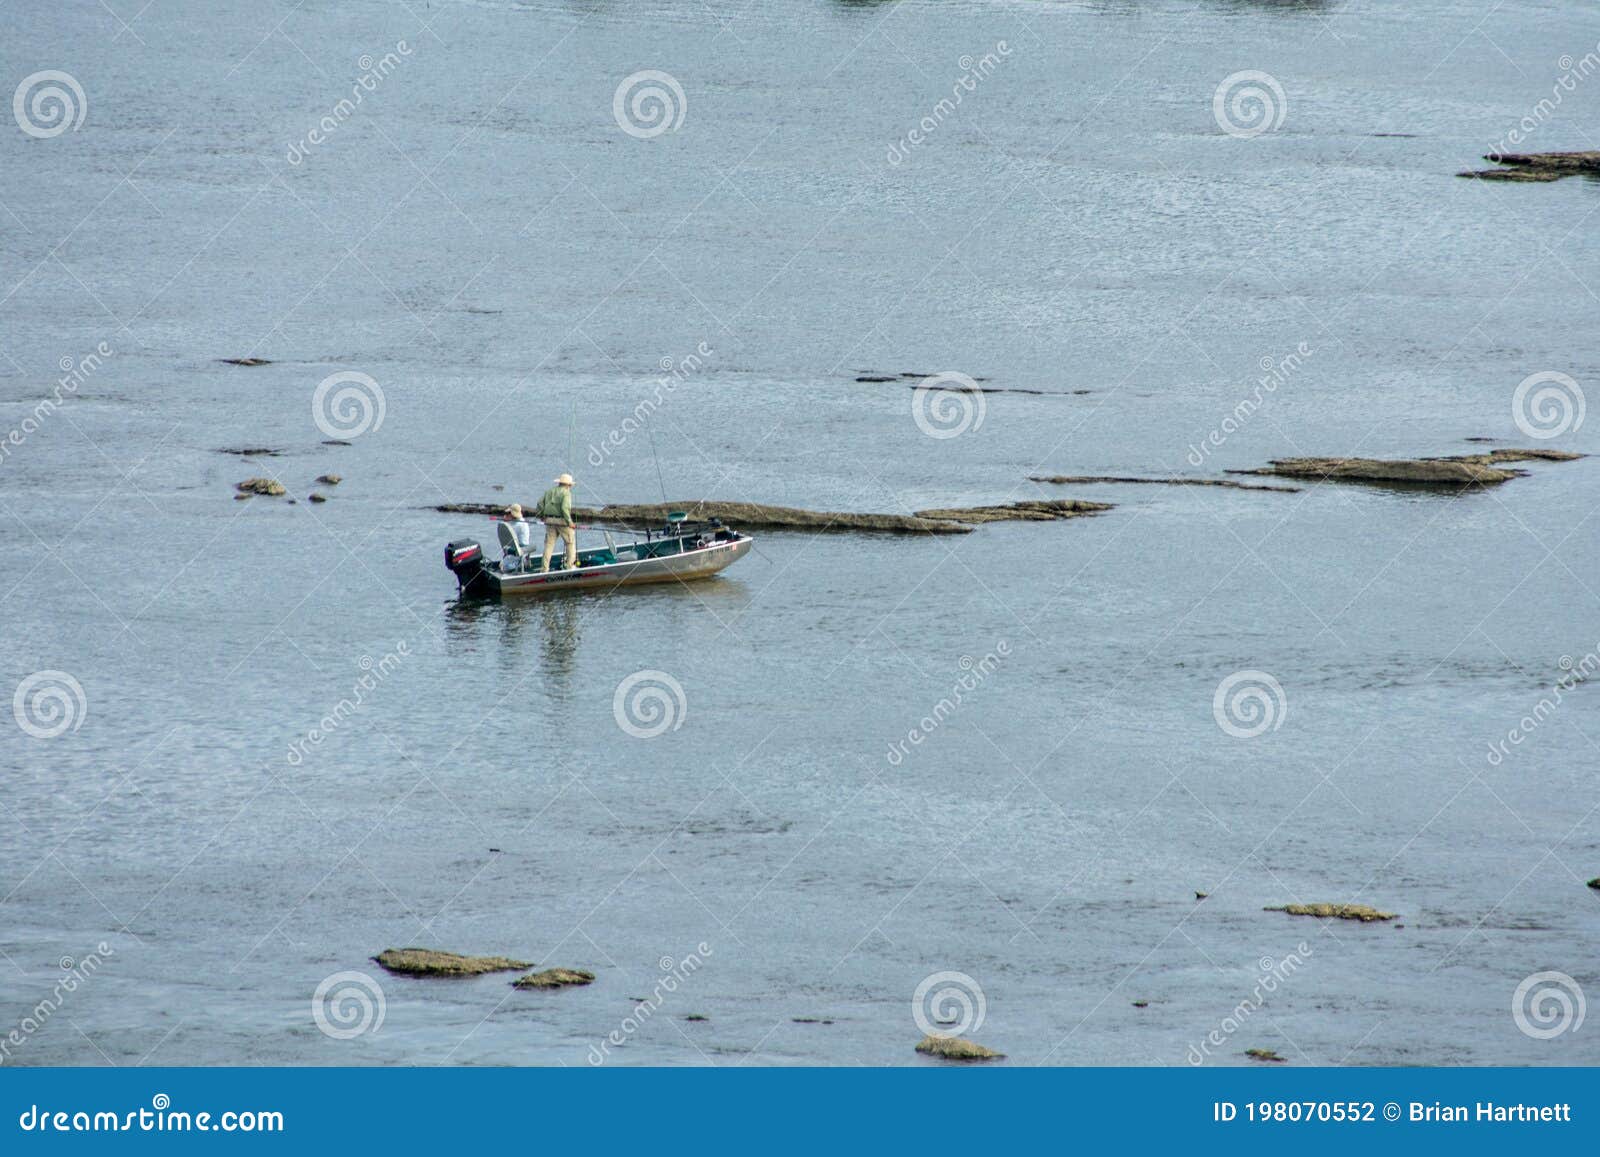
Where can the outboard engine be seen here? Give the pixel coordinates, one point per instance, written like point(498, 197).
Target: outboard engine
point(465, 560)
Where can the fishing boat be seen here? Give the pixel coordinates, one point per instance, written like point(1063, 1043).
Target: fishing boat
point(678, 552)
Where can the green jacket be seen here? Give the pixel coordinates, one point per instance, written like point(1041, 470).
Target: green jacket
point(556, 505)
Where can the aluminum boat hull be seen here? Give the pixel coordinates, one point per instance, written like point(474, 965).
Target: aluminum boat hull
point(685, 567)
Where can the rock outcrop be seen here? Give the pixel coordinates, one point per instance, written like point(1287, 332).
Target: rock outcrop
point(751, 515)
point(954, 1048)
point(1041, 510)
point(263, 486)
point(1361, 912)
point(1456, 470)
point(427, 962)
point(555, 978)
point(1536, 166)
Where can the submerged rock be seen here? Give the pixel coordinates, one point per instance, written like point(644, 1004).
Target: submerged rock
point(1514, 454)
point(954, 1048)
point(245, 361)
point(1078, 479)
point(1595, 883)
point(555, 978)
point(330, 479)
point(315, 497)
point(427, 962)
point(1262, 1055)
point(1002, 389)
point(264, 486)
point(1536, 166)
point(1361, 912)
point(251, 451)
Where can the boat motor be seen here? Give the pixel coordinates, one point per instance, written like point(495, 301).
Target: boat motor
point(465, 560)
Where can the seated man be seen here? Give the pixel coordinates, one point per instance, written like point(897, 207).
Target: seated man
point(516, 539)
point(555, 508)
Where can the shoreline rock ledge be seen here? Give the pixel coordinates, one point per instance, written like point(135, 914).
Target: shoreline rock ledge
point(428, 962)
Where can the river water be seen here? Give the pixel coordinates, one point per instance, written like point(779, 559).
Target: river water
point(880, 758)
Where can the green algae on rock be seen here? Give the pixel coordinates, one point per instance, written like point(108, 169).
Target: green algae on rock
point(954, 1048)
point(1361, 912)
point(427, 962)
point(554, 978)
point(1263, 1055)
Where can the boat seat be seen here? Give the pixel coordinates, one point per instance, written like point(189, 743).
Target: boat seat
point(508, 539)
point(512, 556)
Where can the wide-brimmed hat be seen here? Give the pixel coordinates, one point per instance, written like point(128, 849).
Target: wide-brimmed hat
point(564, 480)
point(514, 511)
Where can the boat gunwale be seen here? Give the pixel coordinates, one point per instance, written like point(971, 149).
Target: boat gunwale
point(617, 572)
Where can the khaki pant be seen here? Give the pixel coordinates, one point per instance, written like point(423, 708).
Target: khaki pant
point(567, 534)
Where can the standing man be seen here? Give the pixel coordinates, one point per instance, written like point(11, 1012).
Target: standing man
point(555, 508)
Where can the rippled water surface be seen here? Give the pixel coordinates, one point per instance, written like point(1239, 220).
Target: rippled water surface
point(481, 238)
